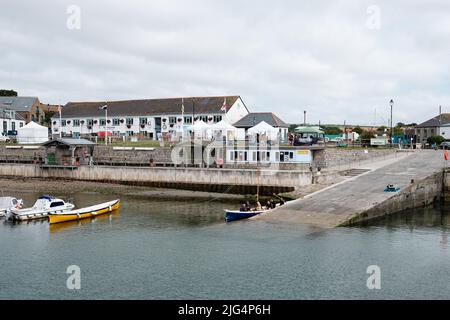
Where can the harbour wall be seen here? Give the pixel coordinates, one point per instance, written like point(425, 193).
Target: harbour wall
point(198, 179)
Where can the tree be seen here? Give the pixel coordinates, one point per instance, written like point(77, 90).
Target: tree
point(8, 93)
point(435, 140)
point(48, 116)
point(358, 130)
point(332, 130)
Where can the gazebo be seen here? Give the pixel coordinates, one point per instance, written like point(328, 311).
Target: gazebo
point(223, 129)
point(264, 129)
point(69, 152)
point(32, 133)
point(201, 130)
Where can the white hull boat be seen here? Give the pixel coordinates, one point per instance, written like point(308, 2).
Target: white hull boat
point(44, 206)
point(9, 203)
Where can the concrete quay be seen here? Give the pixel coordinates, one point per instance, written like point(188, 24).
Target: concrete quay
point(419, 175)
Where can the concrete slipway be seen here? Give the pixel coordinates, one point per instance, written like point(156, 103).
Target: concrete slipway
point(419, 175)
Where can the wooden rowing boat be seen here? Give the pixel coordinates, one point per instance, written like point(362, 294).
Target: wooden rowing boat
point(84, 213)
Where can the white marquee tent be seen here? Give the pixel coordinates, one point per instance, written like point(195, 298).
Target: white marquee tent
point(223, 129)
point(32, 133)
point(201, 130)
point(263, 128)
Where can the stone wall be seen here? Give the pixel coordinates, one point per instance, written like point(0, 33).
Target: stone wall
point(341, 158)
point(107, 156)
point(20, 155)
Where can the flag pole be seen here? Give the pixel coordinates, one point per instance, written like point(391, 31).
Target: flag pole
point(60, 122)
point(106, 124)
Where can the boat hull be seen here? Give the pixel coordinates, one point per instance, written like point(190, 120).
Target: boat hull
point(84, 213)
point(240, 215)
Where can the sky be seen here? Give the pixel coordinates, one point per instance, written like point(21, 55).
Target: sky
point(338, 60)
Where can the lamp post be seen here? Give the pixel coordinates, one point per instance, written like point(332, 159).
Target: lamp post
point(392, 129)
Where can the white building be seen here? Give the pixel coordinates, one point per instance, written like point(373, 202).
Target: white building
point(150, 118)
point(10, 120)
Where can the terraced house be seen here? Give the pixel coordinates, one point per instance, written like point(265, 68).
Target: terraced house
point(437, 126)
point(149, 118)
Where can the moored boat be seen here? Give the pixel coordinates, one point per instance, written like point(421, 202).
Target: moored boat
point(231, 215)
point(84, 213)
point(43, 206)
point(8, 203)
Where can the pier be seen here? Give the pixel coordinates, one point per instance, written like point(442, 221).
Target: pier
point(419, 175)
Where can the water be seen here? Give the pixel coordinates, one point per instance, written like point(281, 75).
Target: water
point(183, 250)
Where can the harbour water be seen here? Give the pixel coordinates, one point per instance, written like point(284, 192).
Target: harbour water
point(161, 249)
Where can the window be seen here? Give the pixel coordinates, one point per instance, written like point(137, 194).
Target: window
point(63, 123)
point(204, 118)
point(56, 204)
point(217, 119)
point(172, 120)
point(76, 122)
point(130, 133)
point(232, 155)
point(21, 125)
point(141, 121)
point(129, 121)
point(89, 122)
point(116, 121)
point(187, 119)
point(13, 124)
point(102, 122)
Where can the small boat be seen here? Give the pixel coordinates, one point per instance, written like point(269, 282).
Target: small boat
point(84, 213)
point(231, 215)
point(40, 210)
point(8, 203)
point(391, 188)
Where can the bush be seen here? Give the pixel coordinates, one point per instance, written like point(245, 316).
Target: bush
point(435, 140)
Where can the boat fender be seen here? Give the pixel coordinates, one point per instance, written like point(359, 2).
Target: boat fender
point(78, 215)
point(110, 209)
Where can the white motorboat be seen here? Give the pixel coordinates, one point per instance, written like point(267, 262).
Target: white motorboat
point(8, 203)
point(40, 210)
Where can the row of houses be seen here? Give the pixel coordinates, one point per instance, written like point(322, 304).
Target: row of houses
point(152, 118)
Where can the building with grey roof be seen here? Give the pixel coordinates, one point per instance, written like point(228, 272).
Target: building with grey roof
point(436, 126)
point(253, 118)
point(147, 117)
point(29, 108)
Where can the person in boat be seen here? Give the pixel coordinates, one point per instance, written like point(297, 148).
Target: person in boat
point(243, 207)
point(258, 206)
point(248, 206)
point(268, 205)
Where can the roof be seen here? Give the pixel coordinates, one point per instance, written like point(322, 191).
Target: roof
point(5, 114)
point(252, 119)
point(443, 119)
point(196, 105)
point(306, 129)
point(69, 142)
point(18, 103)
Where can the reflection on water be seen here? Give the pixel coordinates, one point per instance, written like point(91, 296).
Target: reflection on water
point(154, 249)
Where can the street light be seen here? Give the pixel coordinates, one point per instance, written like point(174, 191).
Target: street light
point(392, 131)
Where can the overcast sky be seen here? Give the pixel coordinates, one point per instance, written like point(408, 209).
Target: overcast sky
point(339, 60)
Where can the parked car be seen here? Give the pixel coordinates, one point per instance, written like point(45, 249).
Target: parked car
point(4, 137)
point(445, 145)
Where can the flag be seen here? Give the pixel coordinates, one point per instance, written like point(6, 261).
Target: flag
point(224, 106)
point(105, 107)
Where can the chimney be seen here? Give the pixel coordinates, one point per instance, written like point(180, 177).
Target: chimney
point(304, 117)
